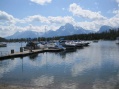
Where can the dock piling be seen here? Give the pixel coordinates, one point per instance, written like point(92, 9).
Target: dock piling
point(12, 51)
point(21, 49)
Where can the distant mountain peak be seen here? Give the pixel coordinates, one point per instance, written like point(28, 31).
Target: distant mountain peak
point(68, 24)
point(104, 28)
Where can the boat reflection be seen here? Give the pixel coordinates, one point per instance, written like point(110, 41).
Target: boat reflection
point(65, 52)
point(33, 56)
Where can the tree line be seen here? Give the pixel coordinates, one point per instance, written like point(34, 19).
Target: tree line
point(111, 34)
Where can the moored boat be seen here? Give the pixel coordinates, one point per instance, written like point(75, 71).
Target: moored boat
point(68, 45)
point(55, 45)
point(3, 45)
point(95, 41)
point(117, 40)
point(31, 46)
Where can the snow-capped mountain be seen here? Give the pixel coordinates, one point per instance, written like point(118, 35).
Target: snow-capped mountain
point(67, 29)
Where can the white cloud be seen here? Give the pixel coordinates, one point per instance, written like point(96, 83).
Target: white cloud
point(6, 17)
point(48, 20)
point(78, 11)
point(95, 25)
point(117, 1)
point(41, 2)
point(61, 20)
point(38, 18)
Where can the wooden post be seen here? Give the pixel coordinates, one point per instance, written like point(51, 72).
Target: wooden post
point(21, 49)
point(12, 51)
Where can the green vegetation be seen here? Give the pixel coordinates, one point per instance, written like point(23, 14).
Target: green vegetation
point(2, 39)
point(109, 35)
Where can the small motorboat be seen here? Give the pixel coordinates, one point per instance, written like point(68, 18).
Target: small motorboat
point(117, 40)
point(68, 45)
point(3, 45)
point(55, 45)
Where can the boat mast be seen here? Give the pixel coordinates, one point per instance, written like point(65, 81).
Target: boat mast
point(45, 34)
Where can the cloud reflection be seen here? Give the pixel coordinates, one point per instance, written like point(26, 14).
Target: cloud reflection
point(6, 66)
point(111, 83)
point(68, 86)
point(52, 59)
point(82, 60)
point(89, 60)
point(43, 80)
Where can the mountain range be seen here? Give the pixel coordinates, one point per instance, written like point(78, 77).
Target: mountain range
point(67, 29)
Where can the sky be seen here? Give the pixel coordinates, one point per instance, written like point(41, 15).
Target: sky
point(36, 15)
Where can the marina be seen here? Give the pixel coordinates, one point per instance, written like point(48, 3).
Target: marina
point(33, 48)
point(59, 44)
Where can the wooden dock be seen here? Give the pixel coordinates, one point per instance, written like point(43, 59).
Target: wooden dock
point(26, 53)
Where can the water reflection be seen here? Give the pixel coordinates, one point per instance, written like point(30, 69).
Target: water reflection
point(33, 56)
point(68, 86)
point(6, 66)
point(93, 67)
point(43, 80)
point(64, 53)
point(111, 83)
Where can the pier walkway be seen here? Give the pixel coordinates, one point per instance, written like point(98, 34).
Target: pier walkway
point(26, 53)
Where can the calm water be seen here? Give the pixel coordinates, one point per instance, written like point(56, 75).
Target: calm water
point(93, 67)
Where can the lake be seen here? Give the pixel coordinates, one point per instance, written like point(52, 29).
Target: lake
point(92, 67)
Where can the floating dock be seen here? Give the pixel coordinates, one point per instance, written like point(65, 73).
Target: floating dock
point(26, 53)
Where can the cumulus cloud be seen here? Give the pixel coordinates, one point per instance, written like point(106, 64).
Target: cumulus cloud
point(7, 17)
point(95, 25)
point(78, 11)
point(49, 19)
point(59, 19)
point(38, 18)
point(41, 2)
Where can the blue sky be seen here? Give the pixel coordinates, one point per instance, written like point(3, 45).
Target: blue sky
point(21, 15)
